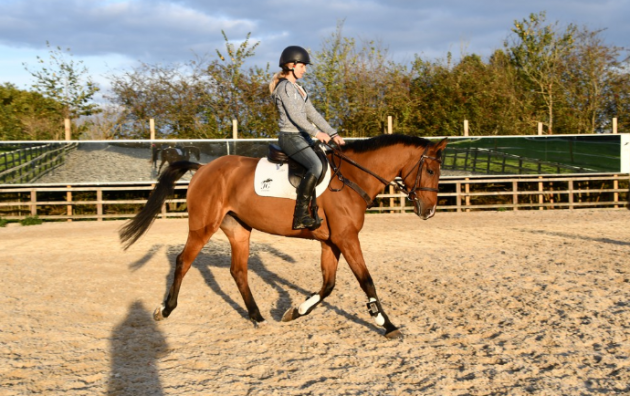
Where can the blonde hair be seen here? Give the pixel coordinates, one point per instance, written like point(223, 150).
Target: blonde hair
point(277, 77)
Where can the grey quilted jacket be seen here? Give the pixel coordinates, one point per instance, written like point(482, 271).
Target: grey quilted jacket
point(297, 113)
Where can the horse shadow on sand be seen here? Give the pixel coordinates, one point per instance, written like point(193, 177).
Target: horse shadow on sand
point(216, 255)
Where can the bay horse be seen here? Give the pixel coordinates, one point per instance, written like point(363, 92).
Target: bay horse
point(170, 155)
point(221, 195)
point(193, 151)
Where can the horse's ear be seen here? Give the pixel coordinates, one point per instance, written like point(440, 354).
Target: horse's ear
point(439, 147)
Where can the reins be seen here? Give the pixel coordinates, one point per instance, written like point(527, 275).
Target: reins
point(397, 183)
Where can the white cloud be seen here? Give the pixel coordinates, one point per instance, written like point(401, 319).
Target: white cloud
point(119, 32)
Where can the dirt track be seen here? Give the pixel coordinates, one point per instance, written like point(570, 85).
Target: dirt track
point(490, 304)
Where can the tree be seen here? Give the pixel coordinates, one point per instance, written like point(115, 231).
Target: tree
point(174, 95)
point(27, 115)
point(106, 125)
point(537, 51)
point(591, 72)
point(65, 81)
point(327, 77)
point(357, 88)
point(197, 99)
point(239, 94)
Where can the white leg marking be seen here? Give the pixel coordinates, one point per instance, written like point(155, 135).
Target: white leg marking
point(379, 319)
point(157, 314)
point(306, 305)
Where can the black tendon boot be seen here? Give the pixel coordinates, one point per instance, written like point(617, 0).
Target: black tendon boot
point(302, 217)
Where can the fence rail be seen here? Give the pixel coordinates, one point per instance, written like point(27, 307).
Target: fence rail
point(491, 162)
point(456, 195)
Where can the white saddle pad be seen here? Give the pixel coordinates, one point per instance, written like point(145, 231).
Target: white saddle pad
point(272, 180)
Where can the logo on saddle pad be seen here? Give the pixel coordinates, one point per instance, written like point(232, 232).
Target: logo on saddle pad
point(272, 180)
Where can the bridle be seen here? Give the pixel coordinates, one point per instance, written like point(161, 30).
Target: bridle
point(398, 183)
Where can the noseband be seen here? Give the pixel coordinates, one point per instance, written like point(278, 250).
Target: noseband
point(398, 183)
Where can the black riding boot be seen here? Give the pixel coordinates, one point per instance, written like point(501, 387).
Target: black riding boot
point(302, 216)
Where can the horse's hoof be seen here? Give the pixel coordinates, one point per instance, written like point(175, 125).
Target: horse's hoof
point(259, 324)
point(394, 335)
point(290, 315)
point(157, 314)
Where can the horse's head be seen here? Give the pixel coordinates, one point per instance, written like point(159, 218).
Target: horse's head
point(424, 176)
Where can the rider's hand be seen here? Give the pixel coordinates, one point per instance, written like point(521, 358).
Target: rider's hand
point(339, 140)
point(322, 137)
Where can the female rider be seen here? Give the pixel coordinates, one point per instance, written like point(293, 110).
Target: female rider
point(299, 123)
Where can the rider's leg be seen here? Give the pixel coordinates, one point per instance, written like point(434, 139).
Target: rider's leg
point(298, 147)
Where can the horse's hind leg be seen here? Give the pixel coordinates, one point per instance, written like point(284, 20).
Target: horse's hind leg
point(239, 234)
point(329, 263)
point(196, 241)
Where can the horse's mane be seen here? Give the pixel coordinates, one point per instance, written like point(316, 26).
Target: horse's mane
point(381, 141)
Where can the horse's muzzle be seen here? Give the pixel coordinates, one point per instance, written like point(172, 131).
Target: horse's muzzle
point(425, 213)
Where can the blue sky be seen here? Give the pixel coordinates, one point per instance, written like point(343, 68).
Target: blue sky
point(111, 36)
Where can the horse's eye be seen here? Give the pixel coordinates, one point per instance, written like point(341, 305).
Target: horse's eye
point(429, 171)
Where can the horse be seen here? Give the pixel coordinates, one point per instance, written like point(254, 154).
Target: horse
point(173, 154)
point(193, 151)
point(155, 152)
point(221, 195)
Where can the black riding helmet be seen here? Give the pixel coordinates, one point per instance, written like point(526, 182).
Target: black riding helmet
point(294, 54)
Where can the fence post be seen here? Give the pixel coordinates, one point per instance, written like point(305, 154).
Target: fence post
point(458, 196)
point(467, 194)
point(99, 204)
point(570, 194)
point(33, 202)
point(540, 131)
point(234, 129)
point(515, 194)
point(69, 193)
point(152, 128)
point(390, 130)
point(541, 197)
point(615, 182)
point(66, 124)
point(465, 127)
point(69, 207)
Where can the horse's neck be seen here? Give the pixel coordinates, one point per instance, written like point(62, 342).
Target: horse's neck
point(386, 162)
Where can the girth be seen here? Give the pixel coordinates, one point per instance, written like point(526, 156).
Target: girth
point(296, 170)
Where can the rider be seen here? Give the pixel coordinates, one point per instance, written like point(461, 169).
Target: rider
point(299, 123)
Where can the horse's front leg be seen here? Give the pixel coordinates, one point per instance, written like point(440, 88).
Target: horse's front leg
point(351, 250)
point(329, 263)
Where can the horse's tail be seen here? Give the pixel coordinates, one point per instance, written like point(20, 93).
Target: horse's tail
point(137, 226)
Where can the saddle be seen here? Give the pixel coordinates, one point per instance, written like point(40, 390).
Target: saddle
point(296, 170)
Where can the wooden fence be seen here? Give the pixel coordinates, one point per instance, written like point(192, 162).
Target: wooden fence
point(26, 165)
point(456, 195)
point(490, 162)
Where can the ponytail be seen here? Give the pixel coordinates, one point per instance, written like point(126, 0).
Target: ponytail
point(274, 81)
point(277, 77)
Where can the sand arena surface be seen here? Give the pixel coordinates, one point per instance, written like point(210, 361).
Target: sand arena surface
point(512, 303)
